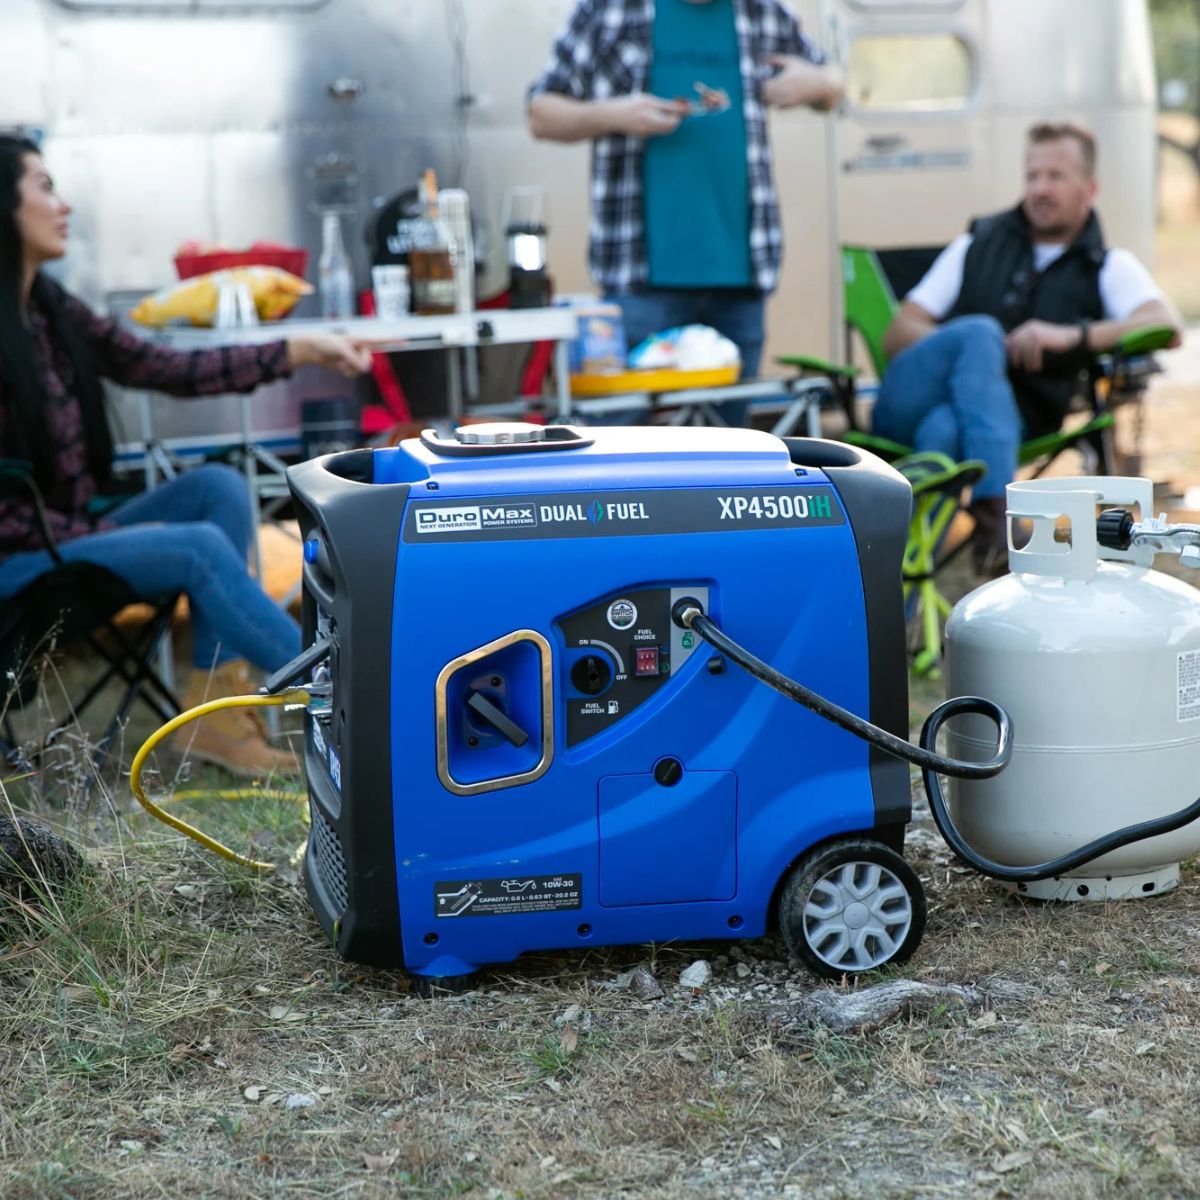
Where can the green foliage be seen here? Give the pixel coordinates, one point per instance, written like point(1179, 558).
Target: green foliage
point(1176, 28)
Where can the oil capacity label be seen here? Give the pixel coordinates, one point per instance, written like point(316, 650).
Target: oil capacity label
point(503, 897)
point(622, 514)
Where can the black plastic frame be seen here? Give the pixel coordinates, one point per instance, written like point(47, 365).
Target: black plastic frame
point(358, 524)
point(878, 503)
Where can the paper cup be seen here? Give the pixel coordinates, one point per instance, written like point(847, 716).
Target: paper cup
point(390, 284)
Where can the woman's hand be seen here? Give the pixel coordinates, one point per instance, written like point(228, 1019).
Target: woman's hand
point(331, 351)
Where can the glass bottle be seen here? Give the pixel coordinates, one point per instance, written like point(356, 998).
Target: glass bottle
point(431, 258)
point(335, 283)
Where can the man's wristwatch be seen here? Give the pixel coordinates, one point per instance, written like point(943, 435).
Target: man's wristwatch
point(1085, 331)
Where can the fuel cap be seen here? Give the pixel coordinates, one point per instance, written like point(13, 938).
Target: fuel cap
point(500, 433)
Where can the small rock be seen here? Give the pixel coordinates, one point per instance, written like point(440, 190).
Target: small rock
point(742, 970)
point(697, 975)
point(643, 984)
point(299, 1100)
point(620, 983)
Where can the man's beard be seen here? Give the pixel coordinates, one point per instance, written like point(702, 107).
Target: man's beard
point(1051, 226)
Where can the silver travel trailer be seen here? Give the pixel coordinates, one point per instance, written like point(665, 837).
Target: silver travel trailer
point(233, 120)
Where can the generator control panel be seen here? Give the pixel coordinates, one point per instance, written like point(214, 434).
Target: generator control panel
point(620, 651)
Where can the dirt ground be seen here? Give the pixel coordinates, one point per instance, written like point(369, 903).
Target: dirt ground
point(172, 1026)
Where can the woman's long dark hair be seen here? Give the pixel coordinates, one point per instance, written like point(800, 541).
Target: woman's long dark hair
point(24, 395)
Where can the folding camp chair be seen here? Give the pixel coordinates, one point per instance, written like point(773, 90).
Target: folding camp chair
point(938, 484)
point(77, 602)
point(1116, 378)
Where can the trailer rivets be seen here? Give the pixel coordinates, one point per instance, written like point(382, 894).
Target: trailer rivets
point(431, 939)
point(734, 922)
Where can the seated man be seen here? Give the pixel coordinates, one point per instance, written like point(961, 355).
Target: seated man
point(986, 349)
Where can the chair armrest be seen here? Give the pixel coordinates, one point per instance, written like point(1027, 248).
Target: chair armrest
point(1145, 340)
point(808, 362)
point(16, 476)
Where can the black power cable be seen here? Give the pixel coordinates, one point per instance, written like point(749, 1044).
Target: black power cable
point(1055, 866)
point(687, 612)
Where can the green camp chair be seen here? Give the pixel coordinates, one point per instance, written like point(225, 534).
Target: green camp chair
point(870, 306)
point(938, 483)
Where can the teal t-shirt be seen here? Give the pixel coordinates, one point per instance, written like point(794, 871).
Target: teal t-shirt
point(696, 190)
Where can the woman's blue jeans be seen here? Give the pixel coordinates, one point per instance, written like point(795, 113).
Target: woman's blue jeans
point(950, 392)
point(190, 534)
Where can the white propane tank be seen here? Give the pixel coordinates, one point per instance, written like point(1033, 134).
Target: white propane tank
point(1096, 658)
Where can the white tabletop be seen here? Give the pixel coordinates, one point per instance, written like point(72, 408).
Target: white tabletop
point(485, 327)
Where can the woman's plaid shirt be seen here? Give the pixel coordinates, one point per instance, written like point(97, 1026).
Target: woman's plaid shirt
point(128, 360)
point(604, 52)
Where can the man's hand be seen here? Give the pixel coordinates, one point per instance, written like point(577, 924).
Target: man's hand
point(331, 351)
point(1029, 341)
point(643, 115)
point(800, 82)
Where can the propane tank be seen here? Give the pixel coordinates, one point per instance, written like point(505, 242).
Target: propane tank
point(1096, 658)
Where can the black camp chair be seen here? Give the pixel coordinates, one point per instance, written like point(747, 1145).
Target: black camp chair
point(76, 602)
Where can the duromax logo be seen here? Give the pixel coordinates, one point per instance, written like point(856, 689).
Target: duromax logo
point(595, 512)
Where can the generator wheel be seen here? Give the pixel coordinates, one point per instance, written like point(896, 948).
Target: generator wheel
point(851, 906)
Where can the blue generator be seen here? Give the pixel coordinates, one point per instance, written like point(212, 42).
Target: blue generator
point(522, 746)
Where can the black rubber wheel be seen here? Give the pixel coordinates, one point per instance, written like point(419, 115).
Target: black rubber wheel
point(851, 906)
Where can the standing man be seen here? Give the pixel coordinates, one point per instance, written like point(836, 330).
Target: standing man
point(987, 349)
point(672, 93)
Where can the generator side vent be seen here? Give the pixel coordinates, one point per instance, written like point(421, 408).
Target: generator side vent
point(331, 865)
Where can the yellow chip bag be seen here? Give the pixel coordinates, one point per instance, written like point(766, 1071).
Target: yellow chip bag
point(274, 292)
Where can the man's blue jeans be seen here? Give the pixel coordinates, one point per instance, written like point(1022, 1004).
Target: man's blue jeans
point(950, 392)
point(736, 313)
point(190, 534)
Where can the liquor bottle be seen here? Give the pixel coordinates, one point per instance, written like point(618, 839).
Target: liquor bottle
point(336, 284)
point(431, 260)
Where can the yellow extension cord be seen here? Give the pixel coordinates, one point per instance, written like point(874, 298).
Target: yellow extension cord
point(297, 696)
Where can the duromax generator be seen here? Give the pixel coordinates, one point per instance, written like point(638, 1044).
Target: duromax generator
point(524, 738)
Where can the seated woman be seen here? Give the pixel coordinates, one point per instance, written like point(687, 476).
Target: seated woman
point(191, 534)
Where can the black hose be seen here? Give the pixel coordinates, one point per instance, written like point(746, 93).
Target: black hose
point(1046, 870)
point(690, 614)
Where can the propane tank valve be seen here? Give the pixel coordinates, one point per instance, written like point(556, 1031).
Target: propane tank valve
point(1117, 530)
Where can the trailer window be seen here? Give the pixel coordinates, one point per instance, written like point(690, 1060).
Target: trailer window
point(910, 72)
point(119, 8)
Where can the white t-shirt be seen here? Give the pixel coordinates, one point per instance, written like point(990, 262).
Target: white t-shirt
point(1125, 285)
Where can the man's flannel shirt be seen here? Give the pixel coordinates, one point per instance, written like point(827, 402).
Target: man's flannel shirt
point(128, 360)
point(604, 52)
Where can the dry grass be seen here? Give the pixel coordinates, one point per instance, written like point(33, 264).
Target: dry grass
point(156, 1023)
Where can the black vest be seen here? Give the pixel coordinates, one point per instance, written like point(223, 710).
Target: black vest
point(999, 281)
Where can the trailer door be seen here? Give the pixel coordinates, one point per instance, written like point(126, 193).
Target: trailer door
point(911, 154)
